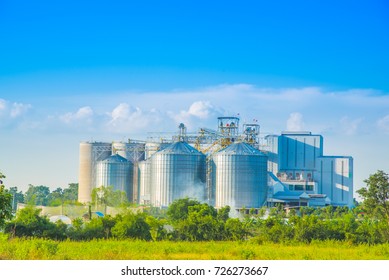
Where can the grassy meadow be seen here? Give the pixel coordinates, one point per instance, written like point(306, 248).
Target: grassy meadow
point(41, 249)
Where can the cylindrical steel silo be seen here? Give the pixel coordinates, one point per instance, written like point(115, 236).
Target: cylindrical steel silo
point(153, 147)
point(178, 171)
point(132, 151)
point(144, 181)
point(115, 171)
point(90, 153)
point(239, 177)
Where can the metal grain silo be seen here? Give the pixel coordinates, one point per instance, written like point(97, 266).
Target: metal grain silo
point(132, 151)
point(153, 147)
point(178, 171)
point(239, 177)
point(144, 181)
point(90, 153)
point(116, 171)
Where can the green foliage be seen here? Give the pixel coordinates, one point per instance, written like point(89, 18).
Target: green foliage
point(201, 224)
point(235, 230)
point(108, 196)
point(179, 209)
point(133, 226)
point(37, 195)
point(5, 203)
point(41, 195)
point(376, 195)
point(28, 223)
point(55, 198)
point(94, 229)
point(157, 228)
point(17, 197)
point(308, 228)
point(223, 213)
point(70, 194)
point(190, 220)
point(75, 232)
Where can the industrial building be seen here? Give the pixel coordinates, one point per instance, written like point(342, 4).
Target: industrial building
point(301, 175)
point(221, 167)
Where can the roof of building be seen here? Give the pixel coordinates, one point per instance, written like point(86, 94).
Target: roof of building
point(179, 148)
point(115, 158)
point(241, 148)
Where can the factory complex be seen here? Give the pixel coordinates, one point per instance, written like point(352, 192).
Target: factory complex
point(232, 165)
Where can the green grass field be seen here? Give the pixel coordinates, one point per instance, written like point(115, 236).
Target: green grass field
point(39, 249)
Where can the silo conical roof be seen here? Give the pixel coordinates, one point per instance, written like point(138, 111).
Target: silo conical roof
point(115, 158)
point(181, 148)
point(241, 148)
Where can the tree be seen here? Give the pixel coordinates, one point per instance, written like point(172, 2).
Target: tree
point(376, 195)
point(235, 230)
point(28, 222)
point(200, 224)
point(55, 198)
point(17, 197)
point(179, 209)
point(223, 213)
point(37, 195)
point(5, 203)
point(133, 226)
point(70, 194)
point(108, 196)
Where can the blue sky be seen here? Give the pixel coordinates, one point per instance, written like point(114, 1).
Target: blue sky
point(83, 70)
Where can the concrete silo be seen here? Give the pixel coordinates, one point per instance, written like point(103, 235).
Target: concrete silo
point(177, 171)
point(116, 171)
point(90, 153)
point(144, 181)
point(239, 177)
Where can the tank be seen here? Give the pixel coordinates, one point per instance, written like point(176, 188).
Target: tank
point(239, 177)
point(116, 171)
point(144, 182)
point(178, 171)
point(90, 153)
point(153, 147)
point(131, 151)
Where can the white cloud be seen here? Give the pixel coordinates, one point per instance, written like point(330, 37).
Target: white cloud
point(198, 113)
point(324, 111)
point(350, 126)
point(198, 109)
point(15, 110)
point(19, 109)
point(13, 115)
point(383, 124)
point(295, 122)
point(2, 104)
point(83, 114)
point(128, 119)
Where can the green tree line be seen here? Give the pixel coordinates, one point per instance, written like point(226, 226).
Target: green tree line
point(190, 220)
point(41, 195)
